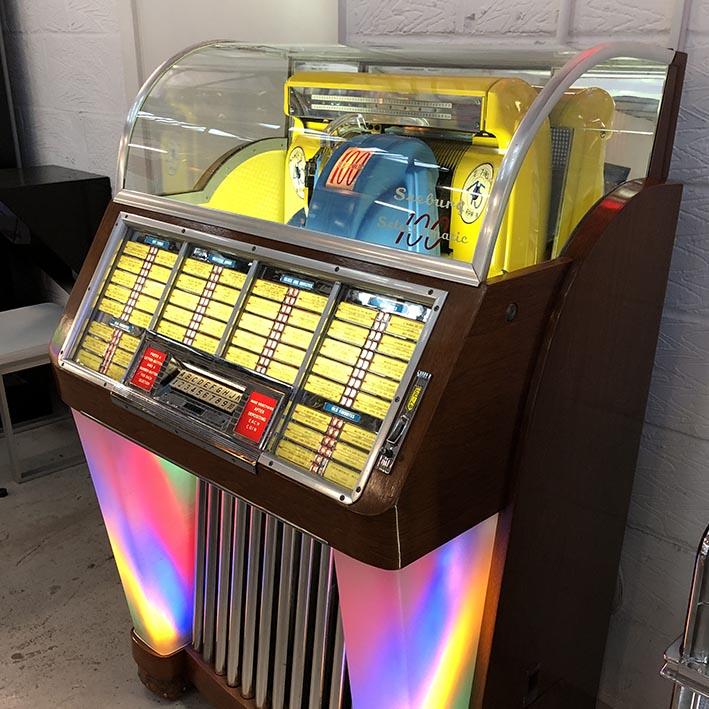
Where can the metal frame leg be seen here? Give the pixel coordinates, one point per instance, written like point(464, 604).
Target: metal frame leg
point(9, 435)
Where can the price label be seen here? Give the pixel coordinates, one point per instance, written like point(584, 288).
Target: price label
point(215, 328)
point(124, 278)
point(165, 258)
point(101, 330)
point(311, 417)
point(197, 268)
point(411, 329)
point(267, 289)
point(128, 263)
point(282, 372)
point(254, 323)
point(153, 288)
point(135, 248)
point(311, 301)
point(191, 284)
point(357, 436)
point(341, 475)
point(295, 336)
point(232, 278)
point(148, 369)
point(295, 454)
point(395, 347)
point(255, 416)
point(242, 357)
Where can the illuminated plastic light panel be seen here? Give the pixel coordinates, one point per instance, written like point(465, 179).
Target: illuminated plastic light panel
point(147, 505)
point(411, 636)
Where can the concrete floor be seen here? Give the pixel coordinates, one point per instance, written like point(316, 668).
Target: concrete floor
point(64, 624)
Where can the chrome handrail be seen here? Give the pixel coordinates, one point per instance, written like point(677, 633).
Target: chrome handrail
point(695, 644)
point(687, 659)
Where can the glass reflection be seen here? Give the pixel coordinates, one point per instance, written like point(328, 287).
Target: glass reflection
point(388, 152)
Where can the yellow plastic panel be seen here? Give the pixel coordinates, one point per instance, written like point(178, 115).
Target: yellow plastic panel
point(588, 113)
point(253, 188)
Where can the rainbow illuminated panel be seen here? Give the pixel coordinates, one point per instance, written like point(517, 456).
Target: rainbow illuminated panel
point(147, 505)
point(412, 635)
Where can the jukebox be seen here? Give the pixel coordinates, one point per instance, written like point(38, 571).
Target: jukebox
point(359, 361)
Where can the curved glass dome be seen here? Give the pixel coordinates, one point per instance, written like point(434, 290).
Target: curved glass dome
point(487, 160)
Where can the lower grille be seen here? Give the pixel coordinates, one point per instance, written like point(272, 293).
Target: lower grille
point(267, 614)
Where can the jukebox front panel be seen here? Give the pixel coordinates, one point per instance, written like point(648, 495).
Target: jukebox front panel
point(264, 358)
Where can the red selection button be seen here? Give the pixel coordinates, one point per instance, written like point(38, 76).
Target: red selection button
point(148, 369)
point(255, 416)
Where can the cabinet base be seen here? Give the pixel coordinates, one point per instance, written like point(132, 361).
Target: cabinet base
point(169, 677)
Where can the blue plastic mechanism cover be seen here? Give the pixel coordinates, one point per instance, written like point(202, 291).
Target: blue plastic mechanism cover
point(380, 189)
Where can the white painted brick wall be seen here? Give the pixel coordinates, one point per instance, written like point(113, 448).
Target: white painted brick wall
point(670, 505)
point(66, 68)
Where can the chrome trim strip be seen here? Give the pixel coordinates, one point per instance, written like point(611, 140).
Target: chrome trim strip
point(317, 334)
point(339, 665)
point(286, 599)
point(251, 604)
point(210, 592)
point(300, 628)
point(225, 545)
point(523, 137)
point(200, 556)
point(236, 312)
point(432, 266)
point(167, 290)
point(238, 557)
point(265, 623)
point(318, 668)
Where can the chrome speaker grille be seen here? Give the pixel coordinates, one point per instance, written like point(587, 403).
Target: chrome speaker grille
point(561, 141)
point(267, 614)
